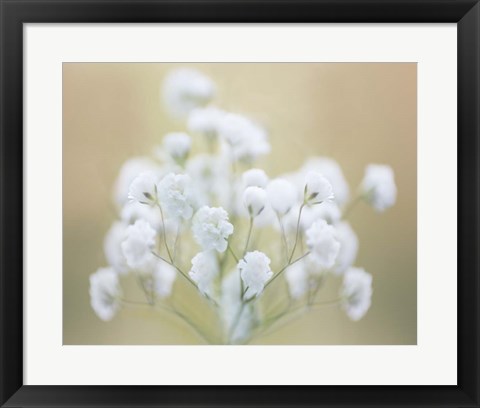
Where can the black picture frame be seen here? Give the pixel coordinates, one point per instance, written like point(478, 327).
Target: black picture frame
point(14, 13)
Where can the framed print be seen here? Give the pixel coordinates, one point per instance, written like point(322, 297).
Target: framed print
point(238, 203)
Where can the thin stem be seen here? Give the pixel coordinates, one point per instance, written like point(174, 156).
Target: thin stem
point(164, 233)
point(285, 267)
point(250, 228)
point(233, 253)
point(177, 235)
point(351, 205)
point(283, 235)
point(297, 233)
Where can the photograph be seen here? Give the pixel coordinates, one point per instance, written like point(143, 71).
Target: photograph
point(239, 203)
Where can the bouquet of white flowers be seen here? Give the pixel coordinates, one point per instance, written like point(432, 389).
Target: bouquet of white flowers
point(199, 217)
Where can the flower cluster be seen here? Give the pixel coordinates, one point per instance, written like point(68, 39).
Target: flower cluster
point(201, 215)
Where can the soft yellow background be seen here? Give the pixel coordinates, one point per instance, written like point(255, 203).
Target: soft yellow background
point(355, 113)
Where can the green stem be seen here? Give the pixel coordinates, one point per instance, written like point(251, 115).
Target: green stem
point(285, 267)
point(297, 233)
point(164, 233)
point(250, 228)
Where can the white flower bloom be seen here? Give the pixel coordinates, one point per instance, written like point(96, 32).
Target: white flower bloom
point(348, 247)
point(246, 140)
point(211, 228)
point(378, 186)
point(333, 173)
point(254, 199)
point(282, 195)
point(138, 245)
point(298, 280)
point(321, 241)
point(356, 292)
point(210, 179)
point(129, 171)
point(328, 211)
point(144, 189)
point(255, 178)
point(163, 278)
point(133, 211)
point(244, 317)
point(206, 121)
point(105, 293)
point(255, 272)
point(204, 271)
point(186, 89)
point(112, 246)
point(176, 195)
point(317, 189)
point(177, 145)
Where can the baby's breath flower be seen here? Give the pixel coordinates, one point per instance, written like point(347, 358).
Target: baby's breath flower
point(321, 241)
point(144, 189)
point(138, 245)
point(348, 247)
point(112, 247)
point(298, 280)
point(186, 89)
point(254, 199)
point(255, 272)
point(211, 228)
point(356, 292)
point(206, 121)
point(281, 195)
point(177, 145)
point(133, 211)
point(255, 178)
point(246, 139)
point(129, 171)
point(317, 189)
point(176, 195)
point(331, 170)
point(204, 271)
point(163, 278)
point(378, 186)
point(105, 293)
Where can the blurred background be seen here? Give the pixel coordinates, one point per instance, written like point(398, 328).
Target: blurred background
point(354, 113)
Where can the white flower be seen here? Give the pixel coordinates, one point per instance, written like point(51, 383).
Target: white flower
point(255, 178)
point(143, 189)
point(317, 189)
point(378, 186)
point(282, 195)
point(321, 241)
point(133, 211)
point(211, 228)
point(163, 278)
point(356, 292)
point(254, 199)
point(333, 173)
point(112, 246)
point(177, 145)
point(298, 280)
point(255, 272)
point(204, 271)
point(234, 312)
point(205, 120)
point(137, 247)
point(348, 247)
point(246, 140)
point(176, 195)
point(131, 169)
point(186, 89)
point(211, 179)
point(105, 293)
point(328, 211)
